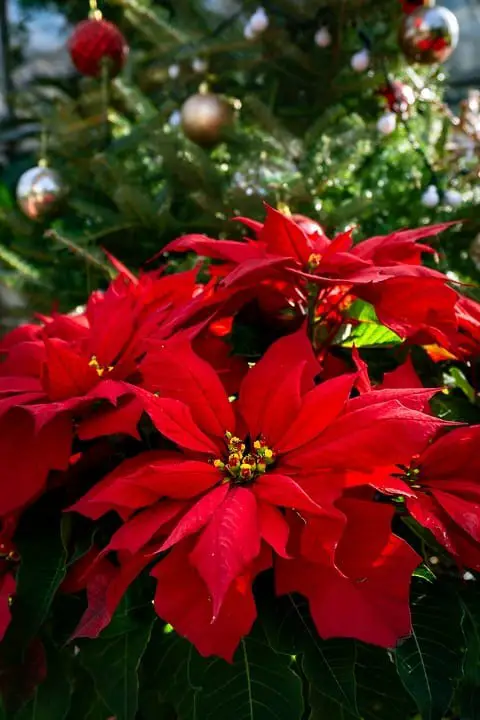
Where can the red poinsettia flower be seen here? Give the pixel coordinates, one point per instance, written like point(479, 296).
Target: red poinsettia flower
point(385, 271)
point(78, 369)
point(441, 490)
point(217, 502)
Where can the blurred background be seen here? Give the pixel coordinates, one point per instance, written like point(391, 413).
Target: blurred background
point(351, 112)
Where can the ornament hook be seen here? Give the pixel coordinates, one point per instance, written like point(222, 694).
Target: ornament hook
point(94, 13)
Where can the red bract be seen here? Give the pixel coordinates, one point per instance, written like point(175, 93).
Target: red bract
point(441, 490)
point(76, 375)
point(227, 502)
point(385, 271)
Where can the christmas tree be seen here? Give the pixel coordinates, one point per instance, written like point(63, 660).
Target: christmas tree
point(312, 106)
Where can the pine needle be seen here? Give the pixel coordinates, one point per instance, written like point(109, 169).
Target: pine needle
point(20, 266)
point(81, 252)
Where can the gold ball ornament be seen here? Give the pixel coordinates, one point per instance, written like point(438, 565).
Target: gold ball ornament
point(40, 192)
point(429, 35)
point(205, 116)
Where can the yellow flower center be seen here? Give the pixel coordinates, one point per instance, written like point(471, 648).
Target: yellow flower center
point(242, 465)
point(314, 260)
point(100, 369)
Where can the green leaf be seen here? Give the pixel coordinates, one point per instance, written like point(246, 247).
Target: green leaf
point(113, 663)
point(369, 332)
point(52, 698)
point(429, 663)
point(469, 693)
point(86, 704)
point(260, 684)
point(456, 378)
point(42, 569)
point(328, 665)
point(347, 679)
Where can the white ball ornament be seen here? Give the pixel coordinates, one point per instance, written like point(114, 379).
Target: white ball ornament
point(259, 21)
point(431, 197)
point(453, 198)
point(174, 71)
point(199, 65)
point(323, 37)
point(387, 123)
point(360, 61)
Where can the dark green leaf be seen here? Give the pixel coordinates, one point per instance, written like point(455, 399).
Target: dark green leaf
point(42, 569)
point(328, 665)
point(430, 661)
point(86, 704)
point(52, 698)
point(113, 663)
point(469, 693)
point(260, 684)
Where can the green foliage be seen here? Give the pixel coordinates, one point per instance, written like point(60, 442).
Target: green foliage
point(142, 183)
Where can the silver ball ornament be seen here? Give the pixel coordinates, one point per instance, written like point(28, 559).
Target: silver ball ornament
point(40, 192)
point(429, 35)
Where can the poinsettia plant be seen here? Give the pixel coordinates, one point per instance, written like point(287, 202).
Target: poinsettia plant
point(249, 490)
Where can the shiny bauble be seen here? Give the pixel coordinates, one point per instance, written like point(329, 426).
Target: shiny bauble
point(453, 198)
point(387, 123)
point(360, 61)
point(205, 117)
point(96, 43)
point(40, 192)
point(431, 197)
point(429, 35)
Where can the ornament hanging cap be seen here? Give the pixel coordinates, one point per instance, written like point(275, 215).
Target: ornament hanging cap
point(95, 13)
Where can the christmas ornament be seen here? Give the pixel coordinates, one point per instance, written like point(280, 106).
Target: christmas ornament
point(387, 123)
point(199, 65)
point(360, 61)
point(323, 38)
point(398, 96)
point(429, 35)
point(259, 21)
point(431, 197)
point(173, 71)
point(204, 117)
point(175, 119)
point(453, 198)
point(97, 43)
point(257, 24)
point(40, 191)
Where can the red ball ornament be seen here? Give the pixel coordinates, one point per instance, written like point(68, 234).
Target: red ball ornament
point(94, 42)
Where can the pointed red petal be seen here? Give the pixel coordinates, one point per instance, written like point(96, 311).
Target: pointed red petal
point(67, 374)
point(273, 528)
point(261, 383)
point(228, 545)
point(284, 491)
point(182, 599)
point(174, 420)
point(283, 236)
point(319, 408)
point(197, 517)
point(138, 531)
point(174, 371)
